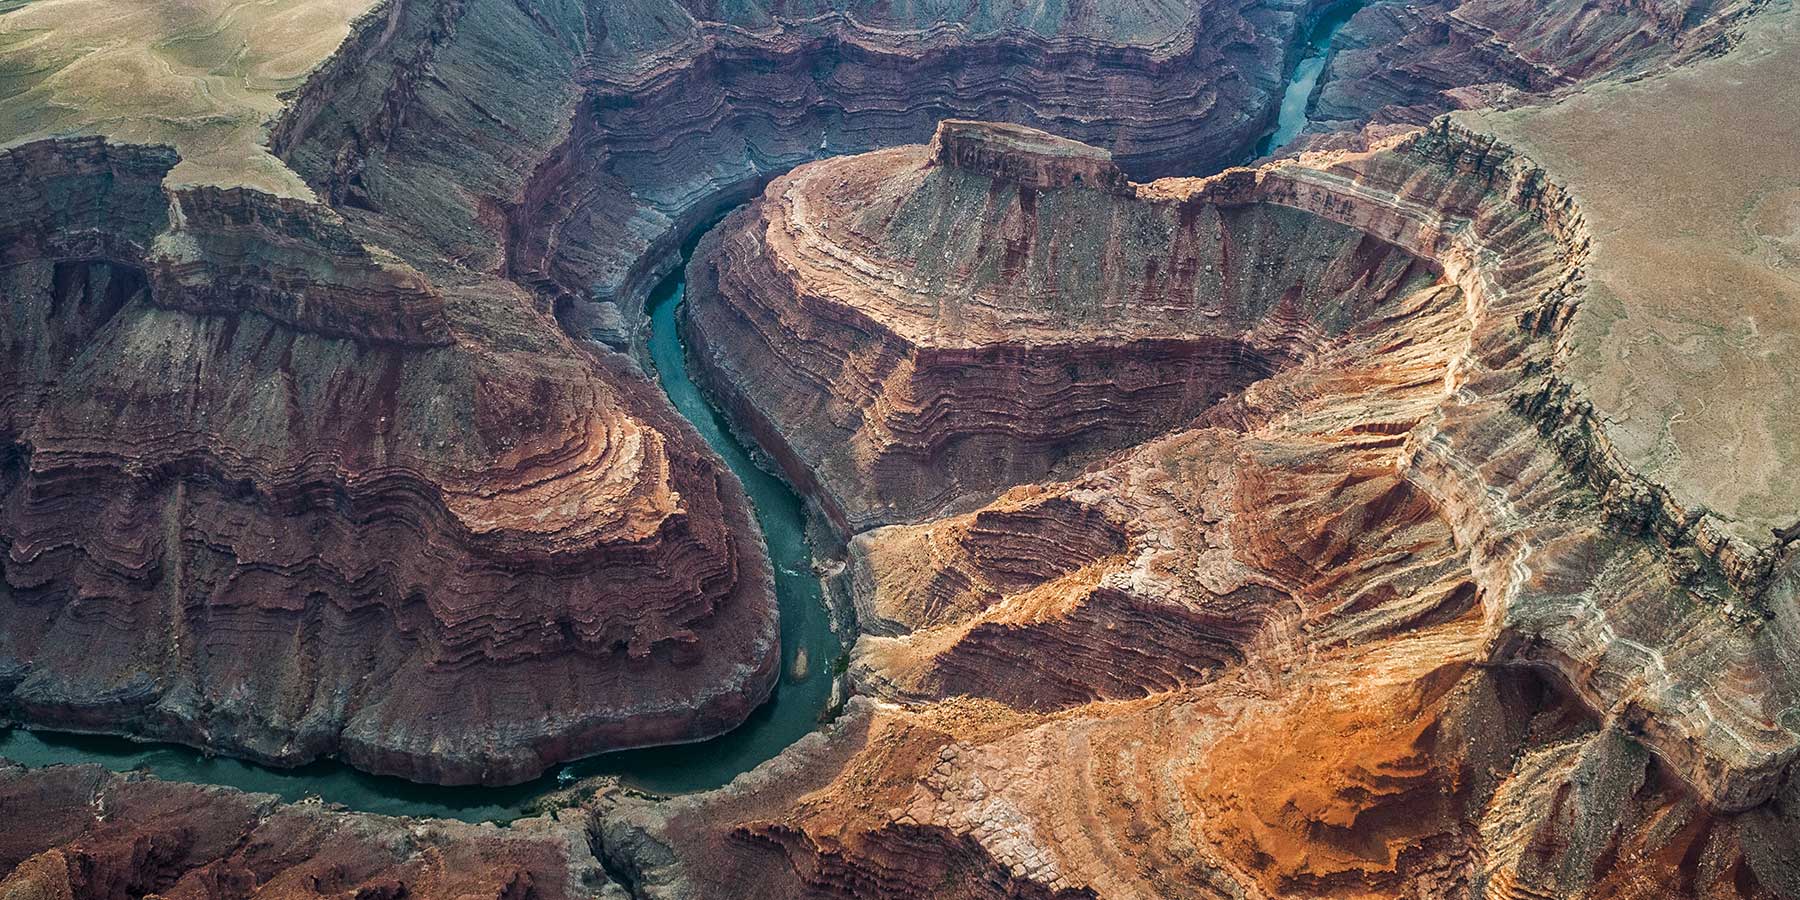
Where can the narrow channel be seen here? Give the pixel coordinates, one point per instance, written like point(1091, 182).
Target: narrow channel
point(1292, 118)
point(809, 650)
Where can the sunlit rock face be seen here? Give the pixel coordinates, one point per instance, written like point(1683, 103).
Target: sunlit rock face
point(572, 145)
point(1381, 622)
point(1250, 536)
point(270, 491)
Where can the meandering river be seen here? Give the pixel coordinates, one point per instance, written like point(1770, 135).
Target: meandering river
point(809, 648)
point(1291, 119)
point(792, 712)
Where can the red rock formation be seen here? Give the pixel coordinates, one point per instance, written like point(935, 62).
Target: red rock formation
point(591, 138)
point(1381, 624)
point(292, 499)
point(79, 832)
point(301, 480)
point(908, 315)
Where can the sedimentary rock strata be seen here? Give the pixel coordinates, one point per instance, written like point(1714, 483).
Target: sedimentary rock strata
point(1293, 531)
point(1398, 65)
point(291, 498)
point(571, 146)
point(80, 832)
point(934, 322)
point(1347, 631)
point(590, 140)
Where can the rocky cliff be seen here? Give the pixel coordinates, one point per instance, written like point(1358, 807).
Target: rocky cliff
point(1381, 622)
point(1398, 65)
point(935, 322)
point(292, 499)
point(79, 832)
point(1246, 536)
point(590, 141)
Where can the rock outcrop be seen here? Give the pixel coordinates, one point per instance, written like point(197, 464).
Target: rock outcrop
point(592, 138)
point(1246, 536)
point(1399, 65)
point(935, 322)
point(291, 498)
point(80, 832)
point(1380, 622)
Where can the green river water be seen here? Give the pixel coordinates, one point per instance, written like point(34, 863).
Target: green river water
point(792, 712)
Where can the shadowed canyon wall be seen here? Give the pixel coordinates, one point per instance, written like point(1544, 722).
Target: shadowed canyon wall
point(94, 834)
point(1257, 547)
point(571, 148)
point(985, 316)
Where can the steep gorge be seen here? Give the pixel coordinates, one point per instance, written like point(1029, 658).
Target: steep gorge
point(234, 427)
point(1289, 455)
point(572, 148)
point(1383, 623)
point(1003, 307)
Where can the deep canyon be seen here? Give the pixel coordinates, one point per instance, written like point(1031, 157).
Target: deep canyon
point(909, 438)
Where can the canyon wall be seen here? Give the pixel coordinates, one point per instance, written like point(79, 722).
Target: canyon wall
point(1258, 549)
point(1398, 65)
point(78, 832)
point(571, 148)
point(290, 498)
point(1382, 623)
point(922, 324)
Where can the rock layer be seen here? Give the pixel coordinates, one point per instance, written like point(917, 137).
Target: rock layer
point(593, 137)
point(294, 499)
point(934, 322)
point(80, 832)
point(1386, 622)
point(1398, 65)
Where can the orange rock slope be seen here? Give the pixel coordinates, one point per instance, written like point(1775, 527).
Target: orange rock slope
point(1378, 620)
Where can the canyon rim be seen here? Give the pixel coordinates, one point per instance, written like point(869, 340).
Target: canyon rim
point(850, 449)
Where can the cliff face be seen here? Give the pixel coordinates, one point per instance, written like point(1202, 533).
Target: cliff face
point(590, 139)
point(292, 499)
point(1398, 65)
point(1382, 623)
point(1238, 537)
point(79, 832)
point(935, 322)
point(571, 146)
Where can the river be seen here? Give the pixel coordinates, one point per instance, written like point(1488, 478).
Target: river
point(1291, 119)
point(792, 711)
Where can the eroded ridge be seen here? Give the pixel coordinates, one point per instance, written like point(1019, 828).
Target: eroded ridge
point(291, 498)
point(79, 831)
point(616, 128)
point(571, 146)
point(931, 322)
point(1379, 623)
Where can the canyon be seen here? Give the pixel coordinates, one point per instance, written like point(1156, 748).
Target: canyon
point(1385, 521)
